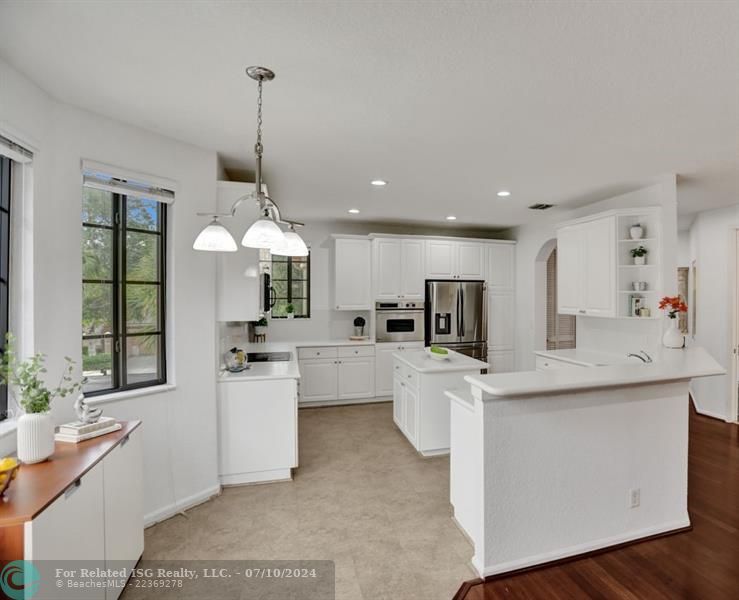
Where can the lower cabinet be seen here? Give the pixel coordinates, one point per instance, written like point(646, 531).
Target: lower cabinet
point(99, 517)
point(384, 364)
point(257, 430)
point(341, 373)
point(405, 407)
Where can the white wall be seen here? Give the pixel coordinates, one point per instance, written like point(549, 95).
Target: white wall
point(179, 425)
point(616, 335)
point(711, 245)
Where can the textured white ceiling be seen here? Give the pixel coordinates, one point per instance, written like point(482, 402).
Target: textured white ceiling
point(449, 101)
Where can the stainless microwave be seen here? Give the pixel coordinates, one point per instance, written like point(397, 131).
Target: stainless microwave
point(399, 321)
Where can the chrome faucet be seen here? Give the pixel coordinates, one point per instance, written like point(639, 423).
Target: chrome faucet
point(642, 356)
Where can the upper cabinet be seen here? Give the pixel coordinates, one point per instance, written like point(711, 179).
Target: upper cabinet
point(352, 273)
point(586, 267)
point(398, 269)
point(501, 266)
point(596, 273)
point(447, 259)
point(237, 273)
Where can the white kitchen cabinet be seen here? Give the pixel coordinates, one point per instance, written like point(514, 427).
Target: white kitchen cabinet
point(586, 268)
point(398, 402)
point(237, 273)
point(446, 259)
point(411, 412)
point(398, 269)
point(123, 490)
point(471, 260)
point(501, 267)
point(319, 380)
point(356, 378)
point(501, 321)
point(352, 273)
point(501, 361)
point(258, 430)
point(441, 259)
point(384, 364)
point(73, 526)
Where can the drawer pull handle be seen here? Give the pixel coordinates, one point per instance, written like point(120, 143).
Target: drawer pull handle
point(124, 441)
point(72, 488)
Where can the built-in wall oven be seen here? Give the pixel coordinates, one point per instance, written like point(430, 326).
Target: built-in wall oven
point(399, 321)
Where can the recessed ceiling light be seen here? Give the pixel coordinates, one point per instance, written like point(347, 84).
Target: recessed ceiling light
point(451, 218)
point(353, 211)
point(504, 193)
point(378, 182)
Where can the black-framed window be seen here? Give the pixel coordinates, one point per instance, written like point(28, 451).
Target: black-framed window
point(123, 291)
point(290, 280)
point(5, 169)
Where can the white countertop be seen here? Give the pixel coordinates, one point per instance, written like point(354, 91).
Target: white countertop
point(419, 361)
point(588, 358)
point(669, 365)
point(282, 369)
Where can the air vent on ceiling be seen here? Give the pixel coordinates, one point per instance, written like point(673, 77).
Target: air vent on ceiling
point(540, 206)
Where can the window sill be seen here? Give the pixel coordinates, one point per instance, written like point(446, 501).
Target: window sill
point(128, 394)
point(7, 427)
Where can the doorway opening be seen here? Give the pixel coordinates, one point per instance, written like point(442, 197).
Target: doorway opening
point(561, 329)
point(734, 356)
point(552, 331)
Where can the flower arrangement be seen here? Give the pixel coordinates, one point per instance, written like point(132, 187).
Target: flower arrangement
point(26, 375)
point(673, 305)
point(640, 251)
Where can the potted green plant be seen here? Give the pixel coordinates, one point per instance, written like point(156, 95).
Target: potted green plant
point(35, 428)
point(290, 310)
point(640, 255)
point(260, 326)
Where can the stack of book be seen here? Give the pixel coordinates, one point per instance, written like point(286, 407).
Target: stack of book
point(78, 432)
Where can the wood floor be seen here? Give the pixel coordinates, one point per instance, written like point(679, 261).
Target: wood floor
point(702, 563)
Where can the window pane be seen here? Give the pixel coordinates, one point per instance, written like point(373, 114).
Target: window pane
point(299, 269)
point(142, 256)
point(4, 245)
point(301, 308)
point(300, 289)
point(279, 270)
point(3, 313)
point(280, 288)
point(97, 253)
point(142, 308)
point(97, 364)
point(142, 214)
point(97, 206)
point(142, 358)
point(278, 310)
point(97, 308)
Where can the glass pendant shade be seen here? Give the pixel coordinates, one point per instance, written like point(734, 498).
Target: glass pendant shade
point(292, 246)
point(264, 233)
point(215, 238)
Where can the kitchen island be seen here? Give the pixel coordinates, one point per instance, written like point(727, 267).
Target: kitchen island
point(555, 463)
point(420, 407)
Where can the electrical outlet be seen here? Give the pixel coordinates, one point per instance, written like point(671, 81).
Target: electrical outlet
point(635, 497)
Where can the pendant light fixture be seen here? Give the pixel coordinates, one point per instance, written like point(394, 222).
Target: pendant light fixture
point(265, 232)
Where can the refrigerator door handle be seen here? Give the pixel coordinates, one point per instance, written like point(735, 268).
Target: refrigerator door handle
point(459, 325)
point(461, 312)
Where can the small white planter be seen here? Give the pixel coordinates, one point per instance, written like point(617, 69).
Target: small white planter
point(640, 260)
point(636, 232)
point(673, 337)
point(260, 329)
point(35, 437)
point(290, 315)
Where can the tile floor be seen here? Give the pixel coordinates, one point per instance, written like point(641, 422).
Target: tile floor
point(362, 497)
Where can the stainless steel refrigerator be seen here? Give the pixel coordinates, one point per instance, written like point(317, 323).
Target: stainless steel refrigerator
point(456, 316)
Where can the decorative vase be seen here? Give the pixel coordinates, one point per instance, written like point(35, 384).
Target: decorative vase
point(35, 437)
point(673, 337)
point(640, 260)
point(290, 315)
point(358, 331)
point(636, 232)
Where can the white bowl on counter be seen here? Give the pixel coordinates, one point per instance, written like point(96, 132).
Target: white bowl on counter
point(437, 356)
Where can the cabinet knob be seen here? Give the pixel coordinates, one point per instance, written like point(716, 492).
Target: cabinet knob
point(409, 376)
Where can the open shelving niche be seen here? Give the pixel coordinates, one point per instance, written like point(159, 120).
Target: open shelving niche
point(628, 272)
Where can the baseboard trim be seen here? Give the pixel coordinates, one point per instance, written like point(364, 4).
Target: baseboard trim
point(324, 403)
point(549, 559)
point(270, 476)
point(175, 508)
point(432, 453)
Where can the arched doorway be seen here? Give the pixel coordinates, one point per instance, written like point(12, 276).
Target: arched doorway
point(552, 330)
